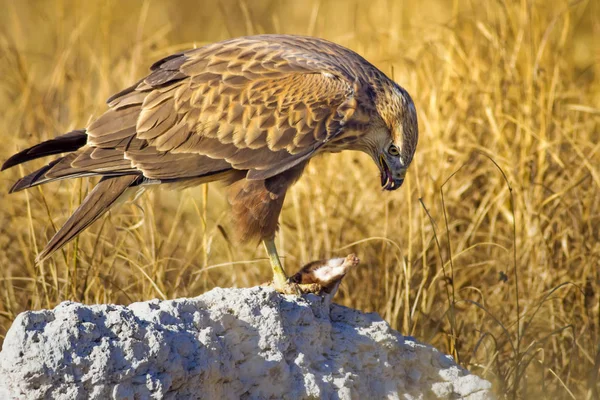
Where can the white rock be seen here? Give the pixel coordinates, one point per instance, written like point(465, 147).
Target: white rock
point(226, 344)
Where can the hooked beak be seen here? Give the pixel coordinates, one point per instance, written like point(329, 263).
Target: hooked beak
point(388, 181)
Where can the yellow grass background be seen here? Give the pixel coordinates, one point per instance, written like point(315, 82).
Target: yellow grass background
point(490, 251)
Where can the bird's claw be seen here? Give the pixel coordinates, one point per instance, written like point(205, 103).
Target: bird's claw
point(298, 289)
point(319, 277)
point(306, 288)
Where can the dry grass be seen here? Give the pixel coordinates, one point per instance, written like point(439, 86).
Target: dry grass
point(491, 251)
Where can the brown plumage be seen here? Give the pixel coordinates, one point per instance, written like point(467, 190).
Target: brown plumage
point(251, 111)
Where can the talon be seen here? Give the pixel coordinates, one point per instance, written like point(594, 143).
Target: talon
point(314, 288)
point(324, 276)
point(297, 289)
point(318, 277)
point(292, 288)
point(289, 288)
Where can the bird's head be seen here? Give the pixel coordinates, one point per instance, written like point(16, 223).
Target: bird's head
point(395, 141)
point(391, 168)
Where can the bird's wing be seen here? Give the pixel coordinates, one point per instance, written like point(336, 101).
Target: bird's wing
point(249, 104)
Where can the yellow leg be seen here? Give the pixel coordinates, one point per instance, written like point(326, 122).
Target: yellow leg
point(281, 283)
point(280, 279)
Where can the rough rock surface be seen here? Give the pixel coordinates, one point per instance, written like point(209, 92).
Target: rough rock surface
point(226, 344)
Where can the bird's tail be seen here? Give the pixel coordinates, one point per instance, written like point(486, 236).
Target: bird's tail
point(104, 195)
point(61, 144)
point(67, 143)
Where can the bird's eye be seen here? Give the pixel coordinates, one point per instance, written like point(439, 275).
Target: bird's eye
point(393, 150)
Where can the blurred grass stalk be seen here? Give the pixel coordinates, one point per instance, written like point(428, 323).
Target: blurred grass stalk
point(507, 94)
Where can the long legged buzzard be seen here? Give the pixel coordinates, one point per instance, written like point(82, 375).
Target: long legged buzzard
point(250, 111)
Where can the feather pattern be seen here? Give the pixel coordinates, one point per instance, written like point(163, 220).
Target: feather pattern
point(254, 95)
point(251, 111)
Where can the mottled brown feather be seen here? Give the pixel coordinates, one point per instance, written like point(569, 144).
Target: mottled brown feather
point(250, 110)
point(256, 204)
point(260, 93)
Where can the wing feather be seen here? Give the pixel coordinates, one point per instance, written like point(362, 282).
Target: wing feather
point(261, 104)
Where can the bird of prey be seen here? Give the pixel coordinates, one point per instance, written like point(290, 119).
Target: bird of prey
point(250, 111)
